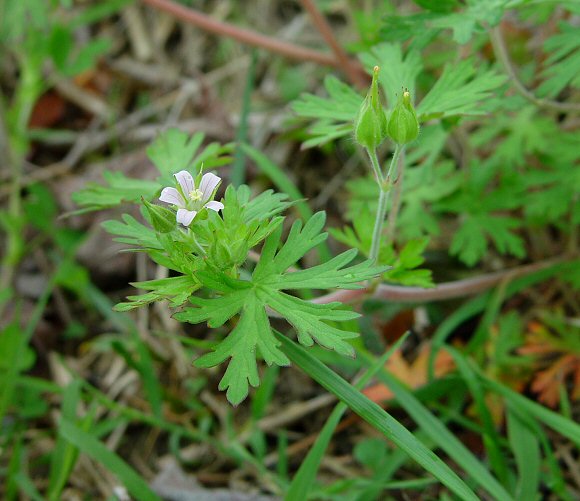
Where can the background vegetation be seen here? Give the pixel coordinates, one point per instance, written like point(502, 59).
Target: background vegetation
point(102, 404)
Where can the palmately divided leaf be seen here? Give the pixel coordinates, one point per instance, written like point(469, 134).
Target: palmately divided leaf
point(460, 90)
point(563, 63)
point(328, 275)
point(173, 151)
point(400, 71)
point(132, 232)
point(307, 319)
point(118, 189)
point(174, 289)
point(341, 105)
point(469, 242)
point(266, 205)
point(252, 333)
point(334, 114)
point(215, 311)
point(299, 242)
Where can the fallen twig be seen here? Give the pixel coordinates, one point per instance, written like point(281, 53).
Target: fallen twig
point(247, 36)
point(447, 290)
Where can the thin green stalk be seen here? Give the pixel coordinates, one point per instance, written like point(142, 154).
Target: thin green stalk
point(379, 218)
point(385, 185)
point(303, 481)
point(397, 193)
point(194, 240)
point(376, 166)
point(238, 172)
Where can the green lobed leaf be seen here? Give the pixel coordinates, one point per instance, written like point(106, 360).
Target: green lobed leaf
point(117, 190)
point(562, 68)
point(252, 334)
point(173, 151)
point(460, 90)
point(174, 289)
point(399, 70)
point(307, 318)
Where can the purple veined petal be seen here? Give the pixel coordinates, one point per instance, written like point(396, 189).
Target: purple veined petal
point(213, 205)
point(172, 196)
point(209, 182)
point(185, 180)
point(185, 217)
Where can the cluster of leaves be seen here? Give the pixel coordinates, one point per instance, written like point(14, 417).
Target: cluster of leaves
point(461, 90)
point(264, 290)
point(210, 254)
point(490, 193)
point(403, 266)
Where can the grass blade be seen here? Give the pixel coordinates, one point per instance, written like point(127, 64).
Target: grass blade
point(303, 481)
point(526, 449)
point(491, 439)
point(64, 454)
point(89, 445)
point(558, 423)
point(376, 417)
point(238, 172)
point(441, 436)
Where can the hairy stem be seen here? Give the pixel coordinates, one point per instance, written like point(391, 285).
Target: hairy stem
point(397, 194)
point(377, 171)
point(385, 185)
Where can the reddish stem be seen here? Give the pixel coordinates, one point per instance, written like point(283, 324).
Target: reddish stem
point(245, 36)
point(348, 66)
point(448, 290)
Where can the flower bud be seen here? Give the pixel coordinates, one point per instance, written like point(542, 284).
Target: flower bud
point(403, 124)
point(162, 219)
point(370, 127)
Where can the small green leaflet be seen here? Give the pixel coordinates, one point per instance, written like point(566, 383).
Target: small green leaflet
point(460, 90)
point(171, 152)
point(175, 289)
point(562, 67)
point(251, 299)
point(440, 14)
point(175, 150)
point(402, 264)
point(118, 189)
point(398, 70)
point(333, 115)
point(470, 244)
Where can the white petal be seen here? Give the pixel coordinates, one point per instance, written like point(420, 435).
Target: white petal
point(209, 182)
point(185, 217)
point(213, 205)
point(185, 180)
point(172, 196)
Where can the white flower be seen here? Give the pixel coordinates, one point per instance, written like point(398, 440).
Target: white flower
point(189, 199)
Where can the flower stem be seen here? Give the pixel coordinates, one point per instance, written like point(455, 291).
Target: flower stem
point(196, 243)
point(397, 192)
point(376, 166)
point(385, 185)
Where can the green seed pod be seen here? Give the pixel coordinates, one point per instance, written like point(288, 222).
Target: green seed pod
point(403, 124)
point(162, 219)
point(370, 128)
